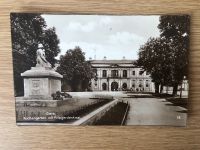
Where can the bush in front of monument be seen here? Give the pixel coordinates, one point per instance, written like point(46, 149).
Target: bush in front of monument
point(57, 96)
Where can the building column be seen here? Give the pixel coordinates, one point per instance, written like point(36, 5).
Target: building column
point(100, 87)
point(109, 83)
point(120, 84)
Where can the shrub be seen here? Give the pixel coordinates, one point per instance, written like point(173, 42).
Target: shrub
point(57, 96)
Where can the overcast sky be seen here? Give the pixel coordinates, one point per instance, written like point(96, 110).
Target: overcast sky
point(110, 36)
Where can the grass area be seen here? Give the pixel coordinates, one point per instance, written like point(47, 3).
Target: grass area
point(176, 101)
point(115, 115)
point(147, 95)
point(163, 95)
point(138, 96)
point(134, 92)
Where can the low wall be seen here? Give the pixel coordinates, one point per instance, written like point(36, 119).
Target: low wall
point(41, 103)
point(95, 115)
point(97, 93)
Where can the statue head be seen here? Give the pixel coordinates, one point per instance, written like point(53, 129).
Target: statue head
point(40, 46)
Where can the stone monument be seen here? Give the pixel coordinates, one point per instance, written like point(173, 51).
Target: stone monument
point(41, 81)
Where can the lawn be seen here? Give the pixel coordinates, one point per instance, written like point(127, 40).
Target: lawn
point(176, 101)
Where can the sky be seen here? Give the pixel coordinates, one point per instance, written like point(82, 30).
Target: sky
point(101, 35)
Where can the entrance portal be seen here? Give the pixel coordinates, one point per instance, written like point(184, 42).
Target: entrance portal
point(114, 86)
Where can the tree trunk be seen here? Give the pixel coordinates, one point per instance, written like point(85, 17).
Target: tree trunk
point(167, 89)
point(156, 88)
point(75, 85)
point(175, 88)
point(181, 90)
point(161, 88)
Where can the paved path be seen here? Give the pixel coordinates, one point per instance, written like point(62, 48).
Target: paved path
point(153, 111)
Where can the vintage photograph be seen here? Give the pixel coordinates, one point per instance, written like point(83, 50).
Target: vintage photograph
point(100, 69)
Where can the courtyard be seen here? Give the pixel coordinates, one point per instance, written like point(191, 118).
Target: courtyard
point(145, 111)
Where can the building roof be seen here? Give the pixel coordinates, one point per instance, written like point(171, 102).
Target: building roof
point(123, 61)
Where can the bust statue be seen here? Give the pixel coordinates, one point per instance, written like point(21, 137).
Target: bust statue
point(41, 58)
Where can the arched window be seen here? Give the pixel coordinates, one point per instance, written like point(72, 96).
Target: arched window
point(140, 85)
point(104, 86)
point(124, 86)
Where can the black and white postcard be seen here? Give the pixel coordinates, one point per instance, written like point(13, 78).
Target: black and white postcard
point(100, 69)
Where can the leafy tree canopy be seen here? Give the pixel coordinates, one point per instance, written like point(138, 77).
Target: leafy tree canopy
point(28, 30)
point(166, 57)
point(75, 69)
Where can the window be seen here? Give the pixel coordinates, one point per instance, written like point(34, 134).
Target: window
point(95, 71)
point(133, 83)
point(133, 73)
point(114, 73)
point(140, 83)
point(147, 84)
point(104, 73)
point(141, 72)
point(125, 73)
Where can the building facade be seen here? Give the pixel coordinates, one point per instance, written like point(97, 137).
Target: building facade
point(120, 75)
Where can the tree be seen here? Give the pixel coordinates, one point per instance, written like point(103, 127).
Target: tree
point(76, 71)
point(166, 57)
point(175, 29)
point(154, 57)
point(28, 30)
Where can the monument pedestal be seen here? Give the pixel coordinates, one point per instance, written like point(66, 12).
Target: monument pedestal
point(40, 83)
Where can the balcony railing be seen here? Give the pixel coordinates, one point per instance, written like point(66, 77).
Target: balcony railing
point(114, 76)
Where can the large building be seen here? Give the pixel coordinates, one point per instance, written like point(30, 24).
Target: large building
point(119, 75)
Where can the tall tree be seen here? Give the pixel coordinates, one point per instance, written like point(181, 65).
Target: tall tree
point(176, 30)
point(76, 70)
point(154, 57)
point(166, 57)
point(28, 30)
